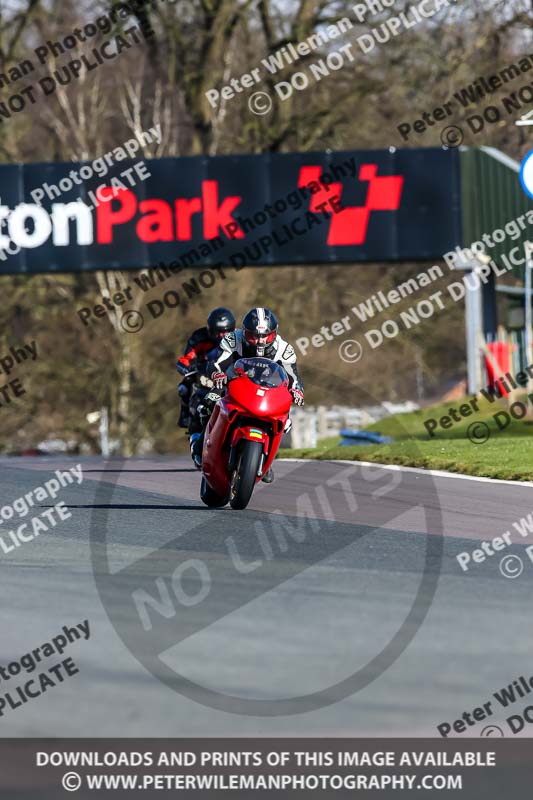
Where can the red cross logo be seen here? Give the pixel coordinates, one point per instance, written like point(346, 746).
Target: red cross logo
point(350, 225)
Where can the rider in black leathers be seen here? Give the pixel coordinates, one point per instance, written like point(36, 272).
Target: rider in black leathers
point(198, 351)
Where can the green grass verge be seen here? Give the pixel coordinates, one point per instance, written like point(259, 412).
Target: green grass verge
point(506, 454)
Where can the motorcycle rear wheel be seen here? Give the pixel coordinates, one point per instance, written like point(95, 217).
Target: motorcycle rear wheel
point(245, 474)
point(209, 497)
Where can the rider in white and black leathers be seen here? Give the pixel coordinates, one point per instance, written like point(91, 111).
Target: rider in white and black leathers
point(258, 337)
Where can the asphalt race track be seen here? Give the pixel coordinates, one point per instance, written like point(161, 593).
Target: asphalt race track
point(333, 570)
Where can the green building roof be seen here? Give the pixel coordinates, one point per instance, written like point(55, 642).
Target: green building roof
point(492, 196)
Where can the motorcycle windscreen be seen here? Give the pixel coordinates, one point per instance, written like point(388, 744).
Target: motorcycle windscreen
point(261, 371)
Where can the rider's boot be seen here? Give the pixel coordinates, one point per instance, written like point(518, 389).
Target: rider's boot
point(268, 477)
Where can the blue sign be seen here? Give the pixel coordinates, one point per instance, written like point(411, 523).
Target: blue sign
point(526, 174)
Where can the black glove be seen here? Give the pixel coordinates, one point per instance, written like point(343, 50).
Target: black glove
point(182, 369)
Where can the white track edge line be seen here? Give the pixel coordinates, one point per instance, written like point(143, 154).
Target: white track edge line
point(435, 472)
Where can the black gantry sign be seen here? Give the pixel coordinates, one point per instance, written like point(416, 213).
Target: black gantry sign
point(298, 208)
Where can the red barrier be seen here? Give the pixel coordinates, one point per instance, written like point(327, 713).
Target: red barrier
point(501, 357)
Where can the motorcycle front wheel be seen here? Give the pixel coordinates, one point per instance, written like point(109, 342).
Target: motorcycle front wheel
point(245, 474)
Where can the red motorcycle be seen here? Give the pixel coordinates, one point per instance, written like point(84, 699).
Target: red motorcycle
point(244, 432)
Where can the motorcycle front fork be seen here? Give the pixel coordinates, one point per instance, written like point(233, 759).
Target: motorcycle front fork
point(232, 461)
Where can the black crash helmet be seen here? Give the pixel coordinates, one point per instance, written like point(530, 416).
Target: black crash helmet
point(220, 322)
